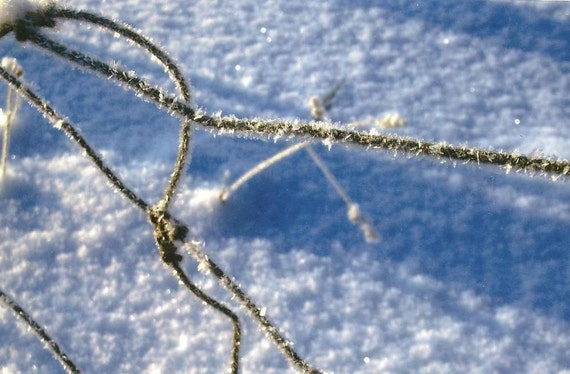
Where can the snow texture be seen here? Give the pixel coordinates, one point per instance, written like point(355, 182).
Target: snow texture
point(473, 270)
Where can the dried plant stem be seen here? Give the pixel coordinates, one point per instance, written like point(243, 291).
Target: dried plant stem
point(329, 176)
point(227, 192)
point(352, 208)
point(11, 110)
point(353, 211)
point(43, 336)
point(12, 106)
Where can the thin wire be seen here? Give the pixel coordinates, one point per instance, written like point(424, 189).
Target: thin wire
point(256, 312)
point(165, 234)
point(173, 71)
point(140, 87)
point(60, 123)
point(43, 336)
point(327, 131)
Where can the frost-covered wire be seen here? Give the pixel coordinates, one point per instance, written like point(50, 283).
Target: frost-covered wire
point(130, 79)
point(63, 124)
point(25, 23)
point(42, 335)
point(336, 134)
point(254, 310)
point(332, 133)
point(158, 214)
point(171, 68)
point(166, 234)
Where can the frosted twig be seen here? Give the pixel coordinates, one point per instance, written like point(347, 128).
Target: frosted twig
point(162, 206)
point(337, 134)
point(236, 341)
point(42, 335)
point(12, 106)
point(353, 212)
point(166, 234)
point(173, 71)
point(227, 192)
point(334, 133)
point(135, 36)
point(61, 123)
point(323, 131)
point(157, 214)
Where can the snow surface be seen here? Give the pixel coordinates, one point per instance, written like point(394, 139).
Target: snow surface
point(473, 270)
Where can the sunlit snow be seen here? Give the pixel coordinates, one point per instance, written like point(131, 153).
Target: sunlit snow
point(473, 270)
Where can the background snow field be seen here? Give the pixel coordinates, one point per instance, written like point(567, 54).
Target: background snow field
point(473, 270)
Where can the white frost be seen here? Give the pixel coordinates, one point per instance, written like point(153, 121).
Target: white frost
point(12, 10)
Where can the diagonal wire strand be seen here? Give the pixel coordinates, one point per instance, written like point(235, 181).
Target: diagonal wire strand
point(59, 122)
point(155, 94)
point(42, 335)
point(255, 311)
point(329, 132)
point(183, 154)
point(165, 234)
point(66, 126)
point(140, 87)
point(173, 71)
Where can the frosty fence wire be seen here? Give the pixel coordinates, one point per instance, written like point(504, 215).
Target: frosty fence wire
point(167, 230)
point(170, 233)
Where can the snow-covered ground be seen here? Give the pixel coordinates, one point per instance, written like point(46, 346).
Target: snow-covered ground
point(472, 273)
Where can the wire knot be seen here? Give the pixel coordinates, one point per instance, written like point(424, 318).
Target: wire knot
point(165, 234)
